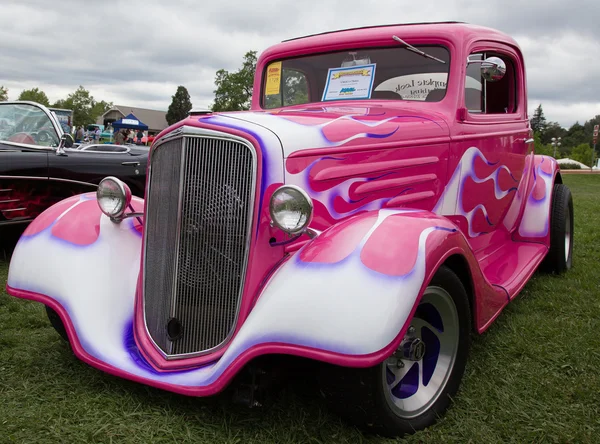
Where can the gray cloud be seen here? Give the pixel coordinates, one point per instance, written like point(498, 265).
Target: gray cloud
point(136, 52)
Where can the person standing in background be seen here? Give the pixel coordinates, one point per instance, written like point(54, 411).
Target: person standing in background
point(119, 137)
point(79, 135)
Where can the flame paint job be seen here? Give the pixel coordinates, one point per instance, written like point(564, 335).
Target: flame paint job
point(462, 196)
point(535, 223)
point(25, 199)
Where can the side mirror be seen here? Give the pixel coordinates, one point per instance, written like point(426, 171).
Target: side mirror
point(66, 141)
point(492, 68)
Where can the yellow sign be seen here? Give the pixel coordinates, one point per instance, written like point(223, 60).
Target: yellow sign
point(273, 79)
point(358, 72)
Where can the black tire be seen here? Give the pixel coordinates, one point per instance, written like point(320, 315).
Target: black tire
point(359, 394)
point(560, 255)
point(57, 323)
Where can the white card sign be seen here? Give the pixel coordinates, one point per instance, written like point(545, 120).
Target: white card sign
point(355, 82)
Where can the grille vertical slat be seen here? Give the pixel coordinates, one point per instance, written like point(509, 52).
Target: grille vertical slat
point(196, 251)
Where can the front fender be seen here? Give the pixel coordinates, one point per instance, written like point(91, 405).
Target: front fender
point(350, 291)
point(344, 298)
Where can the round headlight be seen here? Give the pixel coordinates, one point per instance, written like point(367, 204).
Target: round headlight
point(291, 209)
point(113, 197)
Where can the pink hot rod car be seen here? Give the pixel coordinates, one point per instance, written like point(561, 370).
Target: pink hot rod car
point(380, 201)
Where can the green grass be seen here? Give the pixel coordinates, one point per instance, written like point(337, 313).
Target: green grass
point(532, 377)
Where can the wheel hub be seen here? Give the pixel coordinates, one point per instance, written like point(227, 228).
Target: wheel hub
point(413, 349)
point(417, 373)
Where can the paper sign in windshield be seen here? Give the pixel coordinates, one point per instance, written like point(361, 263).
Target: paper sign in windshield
point(353, 82)
point(273, 79)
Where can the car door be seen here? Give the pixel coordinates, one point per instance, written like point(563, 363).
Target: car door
point(492, 142)
point(85, 169)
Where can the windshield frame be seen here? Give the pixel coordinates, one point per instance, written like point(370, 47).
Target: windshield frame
point(53, 119)
point(282, 57)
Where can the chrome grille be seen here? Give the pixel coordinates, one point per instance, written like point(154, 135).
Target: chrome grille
point(199, 211)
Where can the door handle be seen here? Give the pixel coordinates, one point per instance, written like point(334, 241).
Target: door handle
point(527, 141)
point(133, 163)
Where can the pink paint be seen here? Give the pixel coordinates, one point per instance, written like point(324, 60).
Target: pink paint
point(371, 168)
point(393, 258)
point(366, 188)
point(539, 189)
point(337, 243)
point(82, 226)
point(49, 216)
point(547, 164)
point(405, 199)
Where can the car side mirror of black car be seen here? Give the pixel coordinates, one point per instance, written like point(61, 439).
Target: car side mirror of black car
point(66, 141)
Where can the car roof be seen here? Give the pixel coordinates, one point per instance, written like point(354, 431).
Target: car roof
point(371, 27)
point(459, 33)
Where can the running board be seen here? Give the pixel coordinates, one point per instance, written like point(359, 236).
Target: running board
point(511, 265)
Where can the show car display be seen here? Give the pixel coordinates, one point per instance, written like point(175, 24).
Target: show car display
point(40, 166)
point(380, 201)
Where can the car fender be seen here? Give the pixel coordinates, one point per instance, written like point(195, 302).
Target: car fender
point(351, 291)
point(534, 225)
point(344, 297)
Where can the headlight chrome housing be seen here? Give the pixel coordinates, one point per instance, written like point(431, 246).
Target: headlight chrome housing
point(291, 209)
point(113, 197)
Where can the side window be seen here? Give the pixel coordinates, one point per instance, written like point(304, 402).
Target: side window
point(474, 85)
point(293, 90)
point(483, 97)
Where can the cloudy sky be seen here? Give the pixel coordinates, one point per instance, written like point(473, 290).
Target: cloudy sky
point(136, 52)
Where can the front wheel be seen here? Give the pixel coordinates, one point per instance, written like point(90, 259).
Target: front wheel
point(56, 322)
point(414, 386)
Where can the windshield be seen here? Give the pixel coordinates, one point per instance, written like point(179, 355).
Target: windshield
point(28, 124)
point(394, 73)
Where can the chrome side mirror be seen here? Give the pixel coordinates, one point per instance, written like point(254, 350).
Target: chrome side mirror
point(66, 141)
point(492, 68)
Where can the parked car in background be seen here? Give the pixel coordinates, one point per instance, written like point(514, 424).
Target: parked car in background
point(379, 202)
point(35, 173)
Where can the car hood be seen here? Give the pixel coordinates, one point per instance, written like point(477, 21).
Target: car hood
point(303, 128)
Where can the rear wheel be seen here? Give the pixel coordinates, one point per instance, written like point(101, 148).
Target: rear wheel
point(414, 386)
point(560, 255)
point(57, 323)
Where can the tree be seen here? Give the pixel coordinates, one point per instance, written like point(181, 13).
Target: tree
point(100, 108)
point(541, 148)
point(538, 121)
point(234, 90)
point(180, 106)
point(553, 129)
point(34, 95)
point(575, 136)
point(582, 153)
point(294, 90)
point(3, 94)
point(85, 108)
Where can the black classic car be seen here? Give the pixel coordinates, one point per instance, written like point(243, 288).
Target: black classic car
point(40, 165)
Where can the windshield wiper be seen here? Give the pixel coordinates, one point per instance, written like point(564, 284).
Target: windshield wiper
point(417, 50)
